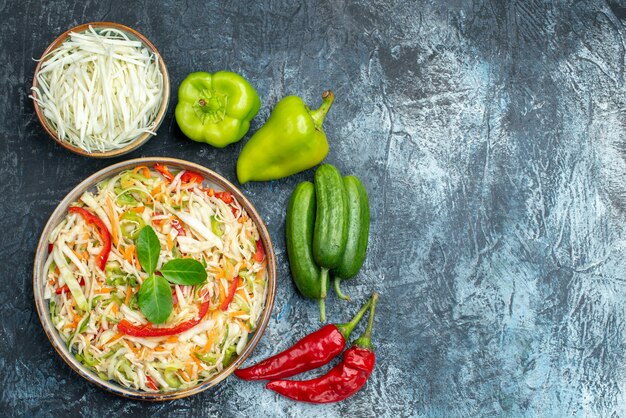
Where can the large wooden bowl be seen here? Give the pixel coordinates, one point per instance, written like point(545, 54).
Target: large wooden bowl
point(141, 139)
point(39, 278)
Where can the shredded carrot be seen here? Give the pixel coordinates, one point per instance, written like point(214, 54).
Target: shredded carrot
point(110, 211)
point(242, 292)
point(222, 293)
point(129, 294)
point(104, 290)
point(209, 343)
point(196, 360)
point(138, 209)
point(114, 308)
point(128, 253)
point(132, 348)
point(137, 264)
point(243, 325)
point(145, 171)
point(115, 338)
point(237, 313)
point(243, 219)
point(259, 274)
point(160, 348)
point(185, 376)
point(189, 370)
point(172, 339)
point(170, 243)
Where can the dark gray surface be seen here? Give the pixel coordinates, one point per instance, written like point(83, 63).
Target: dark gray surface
point(490, 136)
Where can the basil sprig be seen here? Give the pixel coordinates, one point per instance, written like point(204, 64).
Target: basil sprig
point(155, 299)
point(155, 295)
point(148, 249)
point(184, 271)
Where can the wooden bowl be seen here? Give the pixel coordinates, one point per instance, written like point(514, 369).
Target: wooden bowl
point(39, 278)
point(141, 139)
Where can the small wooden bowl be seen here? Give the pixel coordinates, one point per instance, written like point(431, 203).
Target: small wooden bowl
point(141, 139)
point(40, 277)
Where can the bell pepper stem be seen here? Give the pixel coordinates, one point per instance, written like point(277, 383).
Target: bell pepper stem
point(347, 328)
point(319, 114)
point(365, 340)
point(338, 291)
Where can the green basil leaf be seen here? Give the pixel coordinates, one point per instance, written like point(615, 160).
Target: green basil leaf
point(184, 271)
point(155, 299)
point(148, 249)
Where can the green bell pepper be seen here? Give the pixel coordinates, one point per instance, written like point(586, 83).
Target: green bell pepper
point(216, 108)
point(292, 140)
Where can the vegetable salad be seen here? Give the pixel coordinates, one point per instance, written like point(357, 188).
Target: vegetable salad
point(94, 277)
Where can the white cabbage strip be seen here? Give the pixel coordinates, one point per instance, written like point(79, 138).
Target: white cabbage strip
point(100, 90)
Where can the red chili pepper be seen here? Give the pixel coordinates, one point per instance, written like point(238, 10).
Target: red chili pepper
point(343, 380)
point(50, 248)
point(150, 383)
point(178, 227)
point(191, 177)
point(90, 218)
point(311, 352)
point(125, 327)
point(174, 297)
point(165, 172)
point(260, 251)
point(65, 289)
point(225, 197)
point(231, 293)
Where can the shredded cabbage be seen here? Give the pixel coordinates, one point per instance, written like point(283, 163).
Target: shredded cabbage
point(100, 90)
point(190, 221)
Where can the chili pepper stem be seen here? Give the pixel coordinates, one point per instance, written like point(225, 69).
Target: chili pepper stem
point(338, 291)
point(319, 114)
point(346, 329)
point(365, 340)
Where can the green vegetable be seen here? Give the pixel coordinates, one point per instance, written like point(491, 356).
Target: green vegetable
point(148, 249)
point(79, 329)
point(125, 198)
point(299, 237)
point(155, 299)
point(208, 358)
point(292, 140)
point(217, 227)
point(216, 108)
point(88, 359)
point(358, 232)
point(131, 224)
point(171, 377)
point(229, 355)
point(331, 220)
point(155, 296)
point(184, 271)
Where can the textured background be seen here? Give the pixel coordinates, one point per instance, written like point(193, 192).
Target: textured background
point(490, 135)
